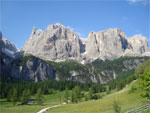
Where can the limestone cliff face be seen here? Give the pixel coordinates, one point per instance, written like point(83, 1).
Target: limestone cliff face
point(109, 44)
point(55, 43)
point(59, 43)
point(34, 69)
point(8, 47)
point(137, 46)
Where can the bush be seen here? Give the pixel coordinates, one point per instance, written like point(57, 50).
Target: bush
point(132, 89)
point(116, 107)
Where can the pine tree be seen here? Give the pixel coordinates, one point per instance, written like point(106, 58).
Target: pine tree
point(26, 96)
point(76, 94)
point(144, 83)
point(9, 96)
point(90, 93)
point(66, 96)
point(14, 96)
point(39, 96)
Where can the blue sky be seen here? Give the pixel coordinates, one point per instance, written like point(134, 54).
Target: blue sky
point(17, 18)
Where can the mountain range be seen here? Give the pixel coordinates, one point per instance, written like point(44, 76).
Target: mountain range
point(58, 43)
point(59, 53)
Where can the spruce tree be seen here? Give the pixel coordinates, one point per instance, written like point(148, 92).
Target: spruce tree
point(39, 96)
point(26, 96)
point(76, 94)
point(14, 96)
point(66, 96)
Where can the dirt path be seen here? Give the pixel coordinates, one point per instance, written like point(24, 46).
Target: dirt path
point(45, 109)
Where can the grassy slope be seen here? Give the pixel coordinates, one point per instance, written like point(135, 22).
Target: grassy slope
point(8, 107)
point(127, 101)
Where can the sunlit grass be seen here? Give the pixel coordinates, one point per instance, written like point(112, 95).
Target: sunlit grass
point(126, 101)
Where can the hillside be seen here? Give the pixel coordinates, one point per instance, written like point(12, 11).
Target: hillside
point(31, 68)
point(126, 100)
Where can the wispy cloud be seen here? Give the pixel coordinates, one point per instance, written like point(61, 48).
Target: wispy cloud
point(140, 35)
point(144, 2)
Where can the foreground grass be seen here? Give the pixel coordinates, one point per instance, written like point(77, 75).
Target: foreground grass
point(126, 101)
point(8, 107)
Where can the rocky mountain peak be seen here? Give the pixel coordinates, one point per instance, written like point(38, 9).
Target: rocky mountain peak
point(6, 44)
point(59, 43)
point(56, 26)
point(56, 43)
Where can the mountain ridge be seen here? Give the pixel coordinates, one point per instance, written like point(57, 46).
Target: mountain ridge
point(58, 43)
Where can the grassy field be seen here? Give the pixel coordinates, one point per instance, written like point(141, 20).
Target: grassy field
point(127, 101)
point(8, 107)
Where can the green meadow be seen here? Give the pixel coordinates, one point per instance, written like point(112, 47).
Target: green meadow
point(125, 99)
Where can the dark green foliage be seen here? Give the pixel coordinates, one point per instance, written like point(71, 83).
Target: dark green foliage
point(116, 107)
point(8, 83)
point(116, 65)
point(14, 96)
point(64, 68)
point(143, 73)
point(25, 96)
point(39, 97)
point(141, 68)
point(66, 96)
point(133, 89)
point(21, 61)
point(92, 93)
point(76, 94)
point(9, 95)
point(121, 82)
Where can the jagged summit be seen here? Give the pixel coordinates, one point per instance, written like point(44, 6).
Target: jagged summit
point(59, 43)
point(55, 43)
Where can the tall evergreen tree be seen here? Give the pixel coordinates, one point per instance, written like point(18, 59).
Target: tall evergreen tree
point(15, 96)
point(26, 96)
point(144, 83)
point(76, 94)
point(66, 96)
point(39, 96)
point(9, 95)
point(143, 74)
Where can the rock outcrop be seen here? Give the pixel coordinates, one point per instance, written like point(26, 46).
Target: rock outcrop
point(55, 43)
point(109, 44)
point(30, 69)
point(58, 43)
point(8, 47)
point(33, 69)
point(137, 46)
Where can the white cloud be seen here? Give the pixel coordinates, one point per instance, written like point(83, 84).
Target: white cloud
point(140, 35)
point(133, 1)
point(145, 2)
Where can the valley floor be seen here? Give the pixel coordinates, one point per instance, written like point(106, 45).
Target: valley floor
point(126, 100)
